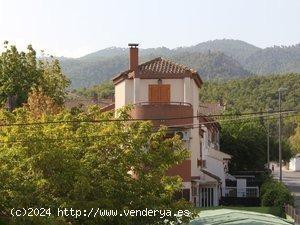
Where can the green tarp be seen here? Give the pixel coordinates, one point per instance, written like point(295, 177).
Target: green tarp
point(229, 216)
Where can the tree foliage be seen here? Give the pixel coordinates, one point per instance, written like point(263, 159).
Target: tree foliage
point(257, 94)
point(295, 138)
point(21, 72)
point(53, 82)
point(104, 90)
point(108, 165)
point(254, 93)
point(246, 141)
point(274, 60)
point(39, 104)
point(275, 193)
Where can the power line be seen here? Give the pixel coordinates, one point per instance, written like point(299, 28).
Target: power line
point(234, 119)
point(80, 138)
point(132, 119)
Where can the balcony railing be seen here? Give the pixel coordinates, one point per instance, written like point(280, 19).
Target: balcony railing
point(164, 113)
point(164, 103)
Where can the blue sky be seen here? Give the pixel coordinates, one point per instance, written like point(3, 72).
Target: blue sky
point(76, 27)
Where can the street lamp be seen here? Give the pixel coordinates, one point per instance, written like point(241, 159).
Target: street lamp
point(279, 132)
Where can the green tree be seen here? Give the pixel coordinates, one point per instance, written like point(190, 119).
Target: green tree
point(255, 93)
point(275, 193)
point(104, 90)
point(53, 82)
point(21, 72)
point(246, 141)
point(108, 165)
point(295, 139)
point(17, 74)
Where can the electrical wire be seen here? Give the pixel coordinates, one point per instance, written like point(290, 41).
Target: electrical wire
point(143, 119)
point(192, 126)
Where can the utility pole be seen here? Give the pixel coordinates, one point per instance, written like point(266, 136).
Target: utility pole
point(279, 132)
point(279, 143)
point(268, 139)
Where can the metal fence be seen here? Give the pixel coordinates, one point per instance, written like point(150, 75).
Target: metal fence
point(246, 192)
point(292, 212)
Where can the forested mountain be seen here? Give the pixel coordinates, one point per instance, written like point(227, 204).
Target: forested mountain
point(86, 73)
point(212, 65)
point(274, 60)
point(239, 50)
point(222, 59)
point(254, 93)
point(89, 70)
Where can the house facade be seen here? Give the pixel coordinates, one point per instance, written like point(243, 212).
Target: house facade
point(168, 94)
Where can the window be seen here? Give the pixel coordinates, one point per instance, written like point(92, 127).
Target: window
point(159, 93)
point(201, 163)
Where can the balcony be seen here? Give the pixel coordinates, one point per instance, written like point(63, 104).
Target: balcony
point(161, 113)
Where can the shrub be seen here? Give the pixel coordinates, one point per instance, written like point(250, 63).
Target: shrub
point(274, 193)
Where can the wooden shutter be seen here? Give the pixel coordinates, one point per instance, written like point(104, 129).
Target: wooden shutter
point(153, 93)
point(164, 93)
point(159, 93)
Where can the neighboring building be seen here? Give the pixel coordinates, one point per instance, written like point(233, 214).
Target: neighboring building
point(214, 163)
point(83, 103)
point(162, 89)
point(294, 164)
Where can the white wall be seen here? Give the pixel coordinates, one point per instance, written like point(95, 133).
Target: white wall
point(120, 94)
point(213, 165)
point(195, 98)
point(216, 167)
point(123, 93)
point(295, 164)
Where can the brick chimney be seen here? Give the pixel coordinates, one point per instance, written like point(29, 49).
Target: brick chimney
point(133, 65)
point(133, 57)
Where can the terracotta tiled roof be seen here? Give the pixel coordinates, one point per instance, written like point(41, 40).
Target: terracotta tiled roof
point(207, 109)
point(217, 154)
point(84, 103)
point(164, 66)
point(160, 68)
point(211, 108)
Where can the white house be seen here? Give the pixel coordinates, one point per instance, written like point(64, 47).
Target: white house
point(164, 90)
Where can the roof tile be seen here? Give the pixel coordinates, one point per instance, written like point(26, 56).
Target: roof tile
point(161, 66)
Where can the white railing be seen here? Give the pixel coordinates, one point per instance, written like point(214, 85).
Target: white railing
point(247, 192)
point(164, 103)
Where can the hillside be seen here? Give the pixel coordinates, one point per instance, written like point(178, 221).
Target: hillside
point(274, 60)
point(212, 65)
point(86, 73)
point(254, 93)
point(89, 70)
point(239, 50)
point(222, 59)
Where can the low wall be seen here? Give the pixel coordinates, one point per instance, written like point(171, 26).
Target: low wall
point(234, 201)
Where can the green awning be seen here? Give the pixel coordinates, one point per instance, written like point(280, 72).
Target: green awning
point(230, 217)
